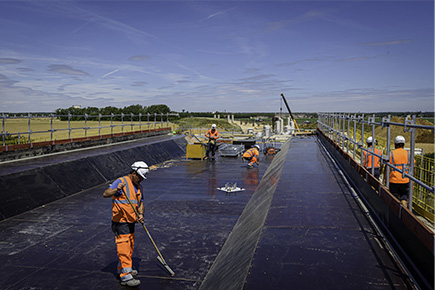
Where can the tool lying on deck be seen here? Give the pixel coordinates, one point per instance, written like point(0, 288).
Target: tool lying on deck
point(160, 257)
point(230, 188)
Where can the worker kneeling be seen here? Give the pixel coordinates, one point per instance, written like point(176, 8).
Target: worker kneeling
point(252, 155)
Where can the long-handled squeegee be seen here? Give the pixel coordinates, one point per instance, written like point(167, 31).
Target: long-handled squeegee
point(160, 257)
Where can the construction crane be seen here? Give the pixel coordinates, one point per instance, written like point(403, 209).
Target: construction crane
point(291, 115)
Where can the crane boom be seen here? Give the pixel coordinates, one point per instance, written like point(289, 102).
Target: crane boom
point(288, 108)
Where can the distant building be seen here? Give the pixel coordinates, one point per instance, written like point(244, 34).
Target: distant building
point(77, 106)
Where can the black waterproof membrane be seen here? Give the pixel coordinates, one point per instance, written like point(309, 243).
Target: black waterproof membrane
point(295, 226)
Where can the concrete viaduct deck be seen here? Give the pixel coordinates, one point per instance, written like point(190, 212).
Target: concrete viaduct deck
point(297, 224)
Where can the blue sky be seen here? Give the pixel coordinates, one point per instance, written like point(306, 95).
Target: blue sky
point(205, 56)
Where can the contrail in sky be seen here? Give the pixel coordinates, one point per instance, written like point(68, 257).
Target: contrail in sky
point(112, 72)
point(218, 13)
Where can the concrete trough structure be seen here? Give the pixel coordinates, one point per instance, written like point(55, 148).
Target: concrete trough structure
point(49, 178)
point(295, 226)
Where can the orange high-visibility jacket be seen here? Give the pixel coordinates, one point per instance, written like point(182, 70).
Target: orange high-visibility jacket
point(122, 210)
point(251, 152)
point(212, 134)
point(368, 158)
point(399, 158)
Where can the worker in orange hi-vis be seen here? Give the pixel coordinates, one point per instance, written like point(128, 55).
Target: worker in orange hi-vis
point(368, 157)
point(400, 158)
point(212, 136)
point(124, 218)
point(252, 155)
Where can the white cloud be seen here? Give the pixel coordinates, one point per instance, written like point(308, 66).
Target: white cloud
point(386, 43)
point(66, 69)
point(8, 60)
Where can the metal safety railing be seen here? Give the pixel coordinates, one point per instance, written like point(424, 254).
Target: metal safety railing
point(200, 132)
point(45, 125)
point(348, 131)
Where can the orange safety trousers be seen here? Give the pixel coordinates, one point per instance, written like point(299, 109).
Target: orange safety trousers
point(125, 247)
point(123, 222)
point(253, 160)
point(251, 155)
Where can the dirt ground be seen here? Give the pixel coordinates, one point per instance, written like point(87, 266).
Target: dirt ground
point(245, 127)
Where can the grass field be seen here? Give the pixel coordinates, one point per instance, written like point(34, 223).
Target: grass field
point(41, 128)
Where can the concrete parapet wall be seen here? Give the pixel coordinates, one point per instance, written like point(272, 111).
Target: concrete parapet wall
point(411, 239)
point(25, 190)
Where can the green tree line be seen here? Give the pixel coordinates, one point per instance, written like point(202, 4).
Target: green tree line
point(78, 113)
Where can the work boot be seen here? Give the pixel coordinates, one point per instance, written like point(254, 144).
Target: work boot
point(250, 166)
point(132, 283)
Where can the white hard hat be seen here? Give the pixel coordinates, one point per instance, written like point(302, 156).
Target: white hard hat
point(141, 168)
point(258, 147)
point(213, 126)
point(370, 140)
point(399, 140)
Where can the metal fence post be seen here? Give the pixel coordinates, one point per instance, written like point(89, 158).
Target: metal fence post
point(148, 120)
point(348, 133)
point(30, 131)
point(387, 170)
point(362, 139)
point(373, 145)
point(411, 166)
point(122, 123)
point(51, 128)
point(343, 134)
point(132, 124)
point(339, 130)
point(86, 126)
point(4, 131)
point(69, 127)
point(111, 123)
point(99, 125)
point(354, 136)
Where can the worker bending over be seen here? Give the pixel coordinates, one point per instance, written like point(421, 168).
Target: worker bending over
point(252, 155)
point(401, 159)
point(368, 158)
point(124, 217)
point(212, 136)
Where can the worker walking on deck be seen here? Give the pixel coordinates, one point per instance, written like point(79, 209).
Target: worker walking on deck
point(400, 158)
point(212, 136)
point(368, 157)
point(252, 155)
point(124, 217)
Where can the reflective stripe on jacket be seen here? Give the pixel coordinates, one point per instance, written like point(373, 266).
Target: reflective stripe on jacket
point(121, 208)
point(212, 134)
point(399, 158)
point(368, 159)
point(251, 152)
